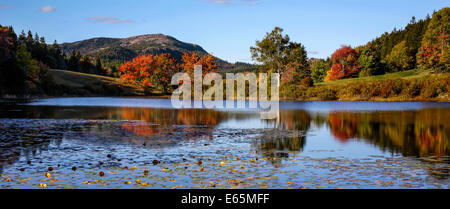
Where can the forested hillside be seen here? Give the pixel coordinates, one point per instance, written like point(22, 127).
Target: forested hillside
point(421, 44)
point(115, 51)
point(151, 60)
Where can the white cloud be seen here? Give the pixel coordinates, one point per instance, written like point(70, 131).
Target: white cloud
point(48, 9)
point(228, 2)
point(100, 19)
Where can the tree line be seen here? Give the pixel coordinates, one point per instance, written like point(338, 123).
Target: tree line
point(421, 44)
point(157, 70)
point(26, 58)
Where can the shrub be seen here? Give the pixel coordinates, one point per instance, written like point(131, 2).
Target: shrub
point(307, 82)
point(413, 89)
point(326, 94)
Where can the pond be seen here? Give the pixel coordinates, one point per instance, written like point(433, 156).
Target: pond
point(144, 143)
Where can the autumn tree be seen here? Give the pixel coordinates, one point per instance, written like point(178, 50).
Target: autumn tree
point(190, 59)
point(20, 72)
point(150, 70)
point(277, 53)
point(435, 52)
point(7, 44)
point(12, 77)
point(344, 64)
point(400, 58)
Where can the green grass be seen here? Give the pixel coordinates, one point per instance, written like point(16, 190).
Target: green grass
point(409, 74)
point(94, 84)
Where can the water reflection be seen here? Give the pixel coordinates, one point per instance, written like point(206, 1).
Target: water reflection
point(412, 133)
point(423, 132)
point(27, 141)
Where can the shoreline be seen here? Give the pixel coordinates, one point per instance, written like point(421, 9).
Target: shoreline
point(356, 99)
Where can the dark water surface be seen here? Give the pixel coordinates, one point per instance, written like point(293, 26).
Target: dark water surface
point(310, 145)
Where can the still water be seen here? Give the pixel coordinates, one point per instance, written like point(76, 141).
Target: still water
point(144, 143)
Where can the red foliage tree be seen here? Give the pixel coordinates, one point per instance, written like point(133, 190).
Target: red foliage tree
point(6, 43)
point(435, 55)
point(150, 70)
point(345, 64)
point(191, 59)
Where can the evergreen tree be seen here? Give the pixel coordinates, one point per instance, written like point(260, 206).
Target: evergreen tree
point(370, 61)
point(319, 69)
point(99, 67)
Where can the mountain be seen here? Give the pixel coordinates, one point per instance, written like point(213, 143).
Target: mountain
point(122, 49)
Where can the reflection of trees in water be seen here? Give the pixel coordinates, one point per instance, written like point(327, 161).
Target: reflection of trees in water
point(412, 133)
point(165, 120)
point(287, 137)
point(19, 138)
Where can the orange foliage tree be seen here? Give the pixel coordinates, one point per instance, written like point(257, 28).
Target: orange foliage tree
point(435, 56)
point(6, 43)
point(345, 64)
point(191, 59)
point(150, 70)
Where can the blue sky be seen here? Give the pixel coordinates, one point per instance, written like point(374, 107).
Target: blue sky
point(225, 28)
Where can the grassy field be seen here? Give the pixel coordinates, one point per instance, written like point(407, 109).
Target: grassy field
point(409, 74)
point(412, 85)
point(75, 83)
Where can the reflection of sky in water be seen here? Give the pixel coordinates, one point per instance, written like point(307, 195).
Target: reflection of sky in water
point(348, 129)
point(360, 106)
point(81, 131)
point(321, 106)
point(321, 144)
